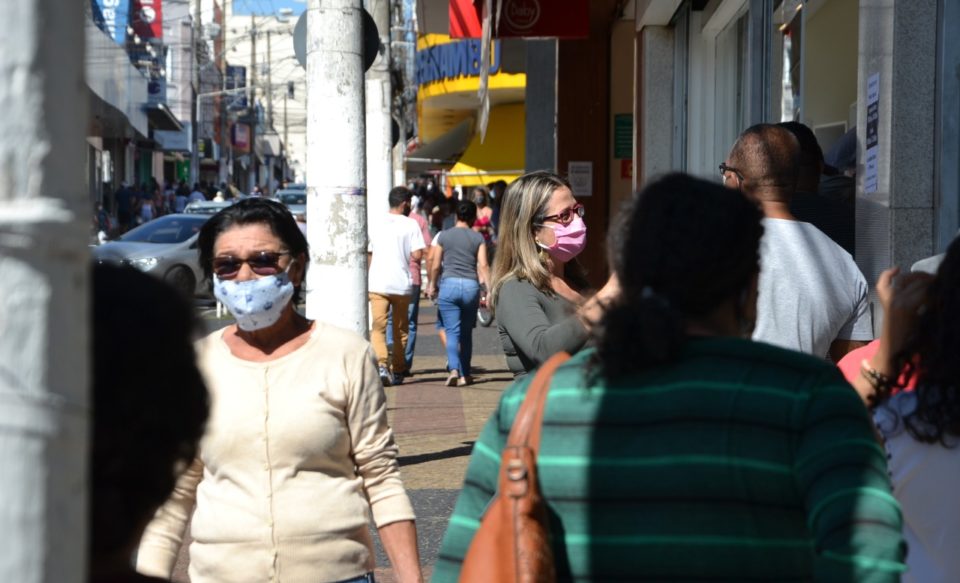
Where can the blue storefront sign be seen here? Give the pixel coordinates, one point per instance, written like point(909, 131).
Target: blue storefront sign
point(113, 17)
point(453, 60)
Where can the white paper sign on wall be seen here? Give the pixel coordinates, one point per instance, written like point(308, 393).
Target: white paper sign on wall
point(580, 175)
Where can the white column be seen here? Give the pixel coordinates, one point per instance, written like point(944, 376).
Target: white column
point(336, 195)
point(379, 96)
point(44, 265)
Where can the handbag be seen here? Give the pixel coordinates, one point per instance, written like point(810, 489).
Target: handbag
point(513, 541)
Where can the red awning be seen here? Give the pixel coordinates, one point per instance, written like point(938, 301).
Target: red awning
point(566, 19)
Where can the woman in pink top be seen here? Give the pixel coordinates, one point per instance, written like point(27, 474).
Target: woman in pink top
point(483, 224)
point(921, 428)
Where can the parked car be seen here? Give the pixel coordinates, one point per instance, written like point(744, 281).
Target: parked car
point(296, 201)
point(296, 186)
point(206, 207)
point(165, 247)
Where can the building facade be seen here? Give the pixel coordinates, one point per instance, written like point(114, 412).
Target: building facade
point(885, 69)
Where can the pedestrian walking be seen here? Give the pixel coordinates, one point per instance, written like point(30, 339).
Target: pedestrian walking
point(197, 194)
point(813, 297)
point(147, 424)
point(182, 198)
point(462, 255)
point(126, 201)
point(298, 456)
point(538, 292)
point(680, 450)
point(394, 243)
point(483, 224)
point(912, 384)
point(825, 209)
point(416, 278)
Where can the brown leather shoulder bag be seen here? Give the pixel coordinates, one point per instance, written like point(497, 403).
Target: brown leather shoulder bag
point(513, 542)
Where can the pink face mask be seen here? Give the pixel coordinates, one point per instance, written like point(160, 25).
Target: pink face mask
point(570, 240)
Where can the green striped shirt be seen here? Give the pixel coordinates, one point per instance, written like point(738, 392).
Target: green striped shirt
point(738, 462)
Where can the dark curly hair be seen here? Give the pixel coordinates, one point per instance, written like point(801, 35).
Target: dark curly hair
point(252, 211)
point(931, 355)
point(686, 246)
point(150, 402)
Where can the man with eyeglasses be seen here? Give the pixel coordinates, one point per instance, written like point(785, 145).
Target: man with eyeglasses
point(813, 297)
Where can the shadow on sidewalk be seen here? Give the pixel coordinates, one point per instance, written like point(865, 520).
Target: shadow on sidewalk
point(462, 451)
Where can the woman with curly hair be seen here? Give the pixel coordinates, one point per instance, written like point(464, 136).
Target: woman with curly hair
point(920, 428)
point(680, 450)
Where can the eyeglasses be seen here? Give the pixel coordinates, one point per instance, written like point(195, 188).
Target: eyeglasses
point(262, 263)
point(723, 173)
point(566, 216)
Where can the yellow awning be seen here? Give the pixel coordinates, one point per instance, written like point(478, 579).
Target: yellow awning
point(501, 156)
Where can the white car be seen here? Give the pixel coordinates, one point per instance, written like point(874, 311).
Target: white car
point(165, 247)
point(206, 207)
point(296, 201)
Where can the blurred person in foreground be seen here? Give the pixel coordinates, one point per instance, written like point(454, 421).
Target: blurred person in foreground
point(679, 449)
point(146, 427)
point(538, 291)
point(298, 454)
point(912, 385)
point(813, 297)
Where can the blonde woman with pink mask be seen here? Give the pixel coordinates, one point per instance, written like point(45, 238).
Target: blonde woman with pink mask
point(538, 292)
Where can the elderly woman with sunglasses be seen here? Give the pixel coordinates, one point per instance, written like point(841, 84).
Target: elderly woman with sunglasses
point(297, 454)
point(537, 291)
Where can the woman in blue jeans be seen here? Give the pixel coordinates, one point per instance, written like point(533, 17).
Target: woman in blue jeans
point(462, 255)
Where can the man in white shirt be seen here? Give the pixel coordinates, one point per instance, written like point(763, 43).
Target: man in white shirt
point(812, 296)
point(394, 242)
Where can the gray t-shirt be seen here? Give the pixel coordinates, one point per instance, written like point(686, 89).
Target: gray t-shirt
point(460, 247)
point(811, 290)
point(534, 326)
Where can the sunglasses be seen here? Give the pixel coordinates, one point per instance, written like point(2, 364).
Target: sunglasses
point(565, 217)
point(262, 263)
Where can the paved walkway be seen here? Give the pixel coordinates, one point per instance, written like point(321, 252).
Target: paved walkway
point(435, 427)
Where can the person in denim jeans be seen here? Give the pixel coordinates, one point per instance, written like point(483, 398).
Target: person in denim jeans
point(462, 254)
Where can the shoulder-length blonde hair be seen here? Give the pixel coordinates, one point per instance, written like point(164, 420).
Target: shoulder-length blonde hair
point(518, 257)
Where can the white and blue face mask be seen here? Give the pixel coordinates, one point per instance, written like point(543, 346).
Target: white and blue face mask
point(255, 303)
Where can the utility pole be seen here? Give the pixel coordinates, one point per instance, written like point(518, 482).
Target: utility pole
point(286, 136)
point(336, 197)
point(269, 124)
point(269, 84)
point(226, 139)
point(379, 138)
point(44, 291)
point(252, 170)
point(195, 61)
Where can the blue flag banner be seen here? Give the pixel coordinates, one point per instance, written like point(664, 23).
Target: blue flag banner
point(113, 17)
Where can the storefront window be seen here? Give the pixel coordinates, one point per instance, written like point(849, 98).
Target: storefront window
point(789, 25)
point(948, 127)
point(731, 84)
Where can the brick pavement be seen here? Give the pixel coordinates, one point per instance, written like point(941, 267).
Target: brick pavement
point(435, 427)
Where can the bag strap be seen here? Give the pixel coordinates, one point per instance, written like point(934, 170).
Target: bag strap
point(526, 426)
